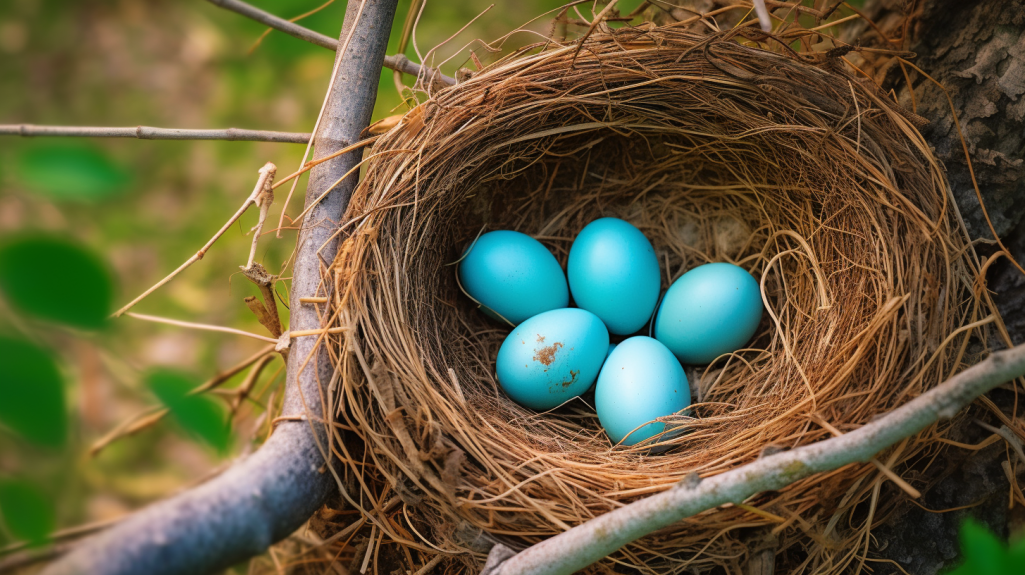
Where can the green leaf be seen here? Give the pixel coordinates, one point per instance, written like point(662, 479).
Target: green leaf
point(985, 554)
point(31, 393)
point(199, 415)
point(71, 171)
point(28, 514)
point(981, 549)
point(57, 280)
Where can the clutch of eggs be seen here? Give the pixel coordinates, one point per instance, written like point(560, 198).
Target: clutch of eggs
point(556, 353)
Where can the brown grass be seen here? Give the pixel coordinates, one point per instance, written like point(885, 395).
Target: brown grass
point(798, 172)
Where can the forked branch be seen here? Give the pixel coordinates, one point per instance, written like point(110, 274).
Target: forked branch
point(599, 537)
point(261, 196)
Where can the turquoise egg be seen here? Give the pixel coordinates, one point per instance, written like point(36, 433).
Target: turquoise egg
point(711, 310)
point(513, 275)
point(640, 382)
point(552, 357)
point(613, 273)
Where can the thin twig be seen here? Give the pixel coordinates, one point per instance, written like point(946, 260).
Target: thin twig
point(199, 326)
point(247, 384)
point(430, 565)
point(397, 62)
point(264, 199)
point(583, 545)
point(152, 415)
point(150, 133)
point(18, 561)
point(764, 20)
point(266, 175)
point(292, 20)
point(130, 427)
point(69, 533)
point(231, 371)
point(594, 24)
point(1008, 435)
point(310, 165)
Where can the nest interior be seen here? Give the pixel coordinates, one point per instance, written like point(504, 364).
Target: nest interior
point(787, 166)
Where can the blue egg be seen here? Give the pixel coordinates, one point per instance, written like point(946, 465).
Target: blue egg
point(711, 310)
point(552, 357)
point(640, 382)
point(513, 276)
point(612, 346)
point(613, 272)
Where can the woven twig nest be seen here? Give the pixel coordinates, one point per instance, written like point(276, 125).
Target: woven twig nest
point(814, 182)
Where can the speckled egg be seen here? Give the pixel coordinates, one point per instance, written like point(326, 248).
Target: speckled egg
point(513, 276)
point(711, 310)
point(552, 357)
point(613, 272)
point(640, 382)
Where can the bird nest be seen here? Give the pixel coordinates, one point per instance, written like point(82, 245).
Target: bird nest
point(813, 181)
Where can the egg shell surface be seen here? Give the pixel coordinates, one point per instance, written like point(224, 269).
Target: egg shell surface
point(711, 310)
point(613, 272)
point(640, 381)
point(552, 357)
point(513, 275)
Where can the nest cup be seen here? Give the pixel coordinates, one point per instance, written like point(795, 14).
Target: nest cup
point(813, 181)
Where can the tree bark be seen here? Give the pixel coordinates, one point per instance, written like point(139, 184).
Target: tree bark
point(267, 496)
point(976, 49)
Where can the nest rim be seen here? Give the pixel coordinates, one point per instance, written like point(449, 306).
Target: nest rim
point(429, 455)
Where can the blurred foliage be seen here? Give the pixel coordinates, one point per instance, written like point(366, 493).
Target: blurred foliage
point(985, 554)
point(197, 414)
point(32, 393)
point(71, 171)
point(27, 513)
point(55, 279)
point(145, 207)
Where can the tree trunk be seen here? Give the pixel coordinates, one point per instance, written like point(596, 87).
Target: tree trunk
point(976, 49)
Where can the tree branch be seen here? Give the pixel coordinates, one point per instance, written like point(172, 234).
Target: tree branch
point(150, 133)
point(267, 496)
point(397, 62)
point(587, 543)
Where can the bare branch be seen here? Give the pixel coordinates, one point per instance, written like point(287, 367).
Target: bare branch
point(277, 23)
point(150, 133)
point(397, 62)
point(268, 495)
point(400, 63)
point(583, 545)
